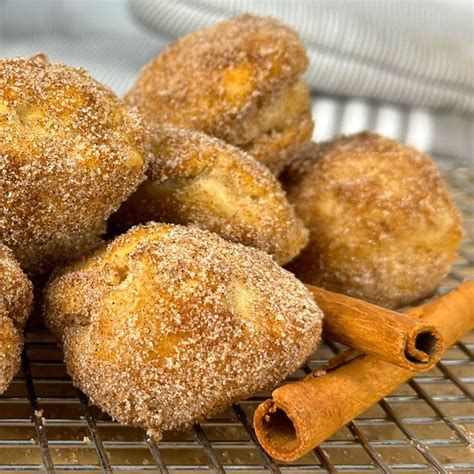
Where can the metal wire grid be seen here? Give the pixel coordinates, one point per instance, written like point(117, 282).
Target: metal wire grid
point(46, 425)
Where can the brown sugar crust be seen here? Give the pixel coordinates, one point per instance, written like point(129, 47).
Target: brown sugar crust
point(238, 80)
point(382, 224)
point(169, 324)
point(16, 298)
point(201, 180)
point(70, 153)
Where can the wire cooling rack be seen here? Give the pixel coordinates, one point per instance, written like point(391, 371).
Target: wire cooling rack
point(46, 425)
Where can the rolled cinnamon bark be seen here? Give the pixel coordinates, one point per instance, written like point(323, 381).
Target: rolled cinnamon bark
point(302, 414)
point(388, 335)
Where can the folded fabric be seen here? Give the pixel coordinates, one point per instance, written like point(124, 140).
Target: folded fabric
point(411, 53)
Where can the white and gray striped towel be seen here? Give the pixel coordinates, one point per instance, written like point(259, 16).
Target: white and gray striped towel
point(411, 53)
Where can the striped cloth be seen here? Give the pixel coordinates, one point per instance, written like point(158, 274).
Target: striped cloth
point(411, 53)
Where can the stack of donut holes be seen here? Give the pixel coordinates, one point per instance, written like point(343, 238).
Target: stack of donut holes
point(162, 222)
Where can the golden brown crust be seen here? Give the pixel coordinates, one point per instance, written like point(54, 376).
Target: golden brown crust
point(201, 180)
point(382, 224)
point(16, 298)
point(169, 324)
point(70, 153)
point(237, 80)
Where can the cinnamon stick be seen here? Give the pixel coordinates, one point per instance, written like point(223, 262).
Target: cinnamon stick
point(388, 335)
point(302, 414)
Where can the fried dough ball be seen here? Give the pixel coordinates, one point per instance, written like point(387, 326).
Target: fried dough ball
point(382, 224)
point(238, 80)
point(16, 298)
point(201, 180)
point(169, 324)
point(70, 153)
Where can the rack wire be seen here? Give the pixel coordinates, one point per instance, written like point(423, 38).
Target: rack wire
point(47, 425)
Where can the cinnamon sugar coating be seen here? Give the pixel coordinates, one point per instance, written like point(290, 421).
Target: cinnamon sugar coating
point(16, 298)
point(238, 80)
point(201, 180)
point(382, 224)
point(70, 153)
point(169, 324)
